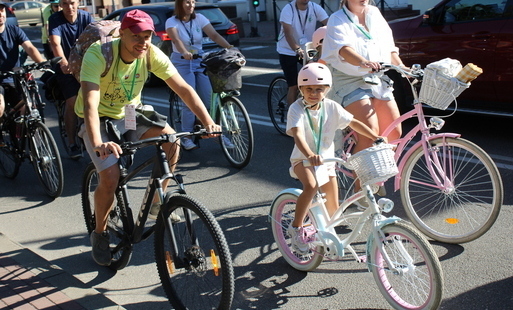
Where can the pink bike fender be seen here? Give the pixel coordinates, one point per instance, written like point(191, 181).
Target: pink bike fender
point(397, 180)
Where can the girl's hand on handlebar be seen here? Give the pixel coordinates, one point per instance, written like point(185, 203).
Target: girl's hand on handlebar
point(315, 160)
point(105, 149)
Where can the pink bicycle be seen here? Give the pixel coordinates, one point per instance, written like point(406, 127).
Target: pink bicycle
point(450, 188)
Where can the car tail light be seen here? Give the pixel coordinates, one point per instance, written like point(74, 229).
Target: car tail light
point(232, 30)
point(11, 10)
point(163, 35)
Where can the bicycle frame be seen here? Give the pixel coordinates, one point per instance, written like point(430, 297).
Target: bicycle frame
point(216, 102)
point(335, 247)
point(438, 174)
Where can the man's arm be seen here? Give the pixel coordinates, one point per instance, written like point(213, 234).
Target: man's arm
point(91, 95)
point(32, 51)
point(288, 31)
point(55, 44)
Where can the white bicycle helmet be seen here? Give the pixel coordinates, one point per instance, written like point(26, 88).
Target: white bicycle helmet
point(318, 36)
point(314, 74)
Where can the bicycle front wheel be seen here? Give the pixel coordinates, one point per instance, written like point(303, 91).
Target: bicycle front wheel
point(283, 211)
point(277, 104)
point(117, 221)
point(175, 112)
point(415, 280)
point(46, 159)
point(193, 258)
point(462, 212)
point(10, 161)
point(237, 138)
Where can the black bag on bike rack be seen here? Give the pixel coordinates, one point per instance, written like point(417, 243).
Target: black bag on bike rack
point(51, 87)
point(223, 67)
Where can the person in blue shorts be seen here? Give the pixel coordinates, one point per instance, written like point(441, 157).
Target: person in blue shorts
point(64, 28)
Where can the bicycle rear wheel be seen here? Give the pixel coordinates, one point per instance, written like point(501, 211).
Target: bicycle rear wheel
point(46, 159)
point(277, 103)
point(237, 138)
point(463, 212)
point(175, 112)
point(282, 214)
point(417, 281)
point(199, 275)
point(117, 222)
point(60, 105)
point(10, 161)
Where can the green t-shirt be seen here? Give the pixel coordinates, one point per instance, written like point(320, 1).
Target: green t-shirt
point(47, 12)
point(114, 95)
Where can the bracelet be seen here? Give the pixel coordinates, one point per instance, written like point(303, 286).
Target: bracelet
point(297, 50)
point(379, 140)
point(229, 46)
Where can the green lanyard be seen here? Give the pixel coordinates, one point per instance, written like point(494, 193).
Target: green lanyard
point(365, 32)
point(317, 136)
point(130, 94)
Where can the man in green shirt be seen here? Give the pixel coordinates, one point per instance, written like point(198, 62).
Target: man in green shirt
point(46, 13)
point(114, 94)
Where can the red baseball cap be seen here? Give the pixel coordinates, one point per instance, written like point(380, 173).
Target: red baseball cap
point(137, 21)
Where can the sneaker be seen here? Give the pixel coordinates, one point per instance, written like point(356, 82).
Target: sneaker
point(227, 143)
point(301, 236)
point(154, 212)
point(74, 151)
point(101, 249)
point(188, 144)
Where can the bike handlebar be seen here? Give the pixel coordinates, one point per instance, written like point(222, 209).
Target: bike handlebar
point(130, 147)
point(43, 66)
point(414, 72)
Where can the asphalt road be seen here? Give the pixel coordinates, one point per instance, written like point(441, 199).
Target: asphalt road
point(478, 275)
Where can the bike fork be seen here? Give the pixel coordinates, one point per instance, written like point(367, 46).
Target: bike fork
point(442, 172)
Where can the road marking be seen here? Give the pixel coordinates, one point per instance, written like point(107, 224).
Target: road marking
point(502, 162)
point(254, 47)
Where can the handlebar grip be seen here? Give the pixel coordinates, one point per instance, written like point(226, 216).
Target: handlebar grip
point(194, 56)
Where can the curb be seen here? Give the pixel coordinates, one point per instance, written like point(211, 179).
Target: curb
point(31, 263)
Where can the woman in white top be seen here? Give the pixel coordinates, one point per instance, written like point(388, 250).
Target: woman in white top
point(298, 21)
point(359, 37)
point(186, 32)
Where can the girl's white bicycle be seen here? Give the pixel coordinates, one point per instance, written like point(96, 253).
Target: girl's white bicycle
point(405, 266)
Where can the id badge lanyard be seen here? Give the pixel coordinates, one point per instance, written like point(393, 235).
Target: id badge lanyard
point(317, 135)
point(365, 32)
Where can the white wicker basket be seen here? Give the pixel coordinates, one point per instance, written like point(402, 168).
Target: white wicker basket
point(439, 90)
point(374, 164)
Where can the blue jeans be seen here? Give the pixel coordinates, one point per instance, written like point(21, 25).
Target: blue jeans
point(192, 73)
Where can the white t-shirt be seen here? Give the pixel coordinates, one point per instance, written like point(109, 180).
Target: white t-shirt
point(344, 29)
point(335, 117)
point(303, 22)
point(190, 33)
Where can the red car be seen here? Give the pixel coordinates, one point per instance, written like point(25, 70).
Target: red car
point(471, 31)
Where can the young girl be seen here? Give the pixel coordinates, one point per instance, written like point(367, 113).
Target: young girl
point(312, 121)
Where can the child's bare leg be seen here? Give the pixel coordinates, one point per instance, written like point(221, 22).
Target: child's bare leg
point(331, 191)
point(307, 178)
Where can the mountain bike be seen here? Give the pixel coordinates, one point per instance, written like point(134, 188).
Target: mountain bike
point(192, 255)
point(403, 263)
point(24, 126)
point(53, 93)
point(227, 110)
point(450, 188)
